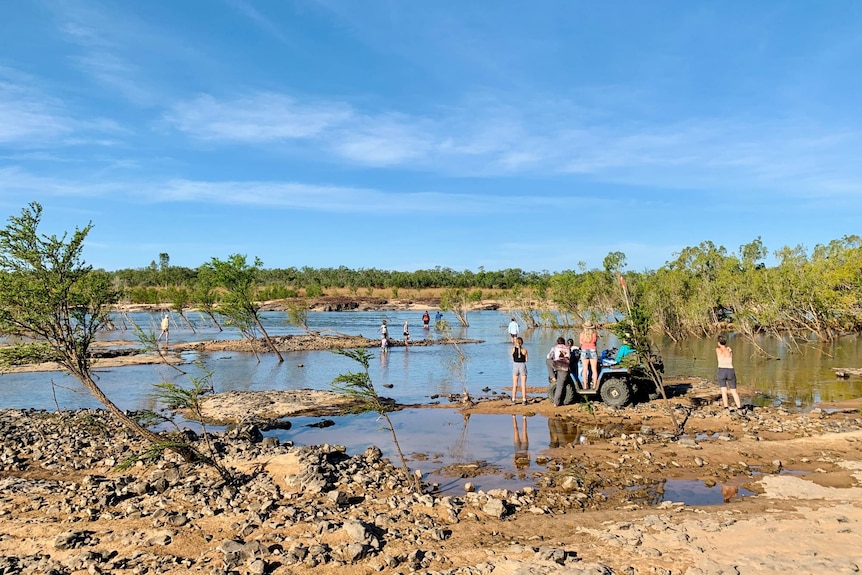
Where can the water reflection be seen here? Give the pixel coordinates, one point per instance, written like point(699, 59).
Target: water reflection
point(565, 432)
point(521, 442)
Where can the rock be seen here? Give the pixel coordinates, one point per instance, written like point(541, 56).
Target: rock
point(494, 508)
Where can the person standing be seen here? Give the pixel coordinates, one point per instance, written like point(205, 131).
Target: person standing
point(726, 373)
point(384, 335)
point(406, 333)
point(166, 328)
point(426, 320)
point(513, 330)
point(574, 356)
point(519, 370)
point(560, 357)
point(589, 355)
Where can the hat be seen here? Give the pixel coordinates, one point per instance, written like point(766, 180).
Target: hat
point(588, 325)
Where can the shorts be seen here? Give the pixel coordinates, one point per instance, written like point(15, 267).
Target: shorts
point(589, 354)
point(519, 368)
point(726, 377)
point(406, 334)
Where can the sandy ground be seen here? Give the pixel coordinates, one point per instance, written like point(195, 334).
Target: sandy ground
point(807, 522)
point(805, 514)
point(804, 472)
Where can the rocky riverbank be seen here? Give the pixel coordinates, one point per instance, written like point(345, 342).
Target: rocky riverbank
point(66, 509)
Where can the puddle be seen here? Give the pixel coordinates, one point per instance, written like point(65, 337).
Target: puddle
point(490, 451)
point(689, 491)
point(695, 492)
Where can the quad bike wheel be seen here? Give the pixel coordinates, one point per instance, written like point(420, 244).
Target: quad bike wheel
point(615, 392)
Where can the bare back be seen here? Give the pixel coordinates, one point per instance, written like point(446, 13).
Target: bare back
point(725, 356)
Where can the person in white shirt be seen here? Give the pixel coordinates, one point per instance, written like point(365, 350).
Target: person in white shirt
point(513, 330)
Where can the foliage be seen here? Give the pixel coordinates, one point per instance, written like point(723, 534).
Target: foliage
point(358, 385)
point(458, 301)
point(48, 292)
point(239, 304)
point(634, 329)
point(297, 313)
point(176, 398)
point(275, 291)
point(26, 353)
point(458, 364)
point(701, 290)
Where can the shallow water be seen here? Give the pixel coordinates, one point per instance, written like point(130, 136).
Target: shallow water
point(432, 438)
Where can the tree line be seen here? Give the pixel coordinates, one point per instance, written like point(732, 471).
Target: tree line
point(699, 292)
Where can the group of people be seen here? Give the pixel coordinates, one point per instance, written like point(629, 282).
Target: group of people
point(384, 329)
point(561, 355)
point(558, 361)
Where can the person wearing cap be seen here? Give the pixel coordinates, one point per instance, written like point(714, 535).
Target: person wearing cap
point(589, 355)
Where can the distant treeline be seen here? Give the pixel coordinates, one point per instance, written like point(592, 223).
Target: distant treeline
point(313, 282)
point(701, 291)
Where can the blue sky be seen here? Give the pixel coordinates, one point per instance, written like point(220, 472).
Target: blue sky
point(405, 135)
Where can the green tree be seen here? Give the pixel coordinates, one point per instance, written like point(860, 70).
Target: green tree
point(204, 294)
point(458, 300)
point(359, 386)
point(48, 292)
point(239, 279)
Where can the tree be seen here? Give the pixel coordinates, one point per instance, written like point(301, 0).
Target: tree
point(204, 294)
point(458, 300)
point(48, 292)
point(239, 279)
point(358, 385)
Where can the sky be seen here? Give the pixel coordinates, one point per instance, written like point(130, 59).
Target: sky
point(405, 135)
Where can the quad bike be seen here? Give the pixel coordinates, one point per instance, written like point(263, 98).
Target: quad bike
point(619, 383)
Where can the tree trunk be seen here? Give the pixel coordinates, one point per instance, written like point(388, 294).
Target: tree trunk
point(188, 453)
point(267, 339)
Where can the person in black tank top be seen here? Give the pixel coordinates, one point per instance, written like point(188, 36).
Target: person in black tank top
point(519, 370)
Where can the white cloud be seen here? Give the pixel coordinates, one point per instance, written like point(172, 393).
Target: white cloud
point(330, 198)
point(259, 118)
point(28, 118)
point(537, 139)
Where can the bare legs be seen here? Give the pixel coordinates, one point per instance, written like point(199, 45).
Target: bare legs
point(734, 394)
point(591, 363)
point(523, 378)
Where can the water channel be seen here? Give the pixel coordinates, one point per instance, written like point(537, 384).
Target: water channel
point(435, 438)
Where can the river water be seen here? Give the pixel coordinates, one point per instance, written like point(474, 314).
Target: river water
point(434, 438)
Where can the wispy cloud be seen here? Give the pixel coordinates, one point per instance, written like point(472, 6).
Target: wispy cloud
point(539, 139)
point(28, 117)
point(260, 118)
point(273, 194)
point(103, 44)
point(15, 181)
point(259, 19)
point(334, 198)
